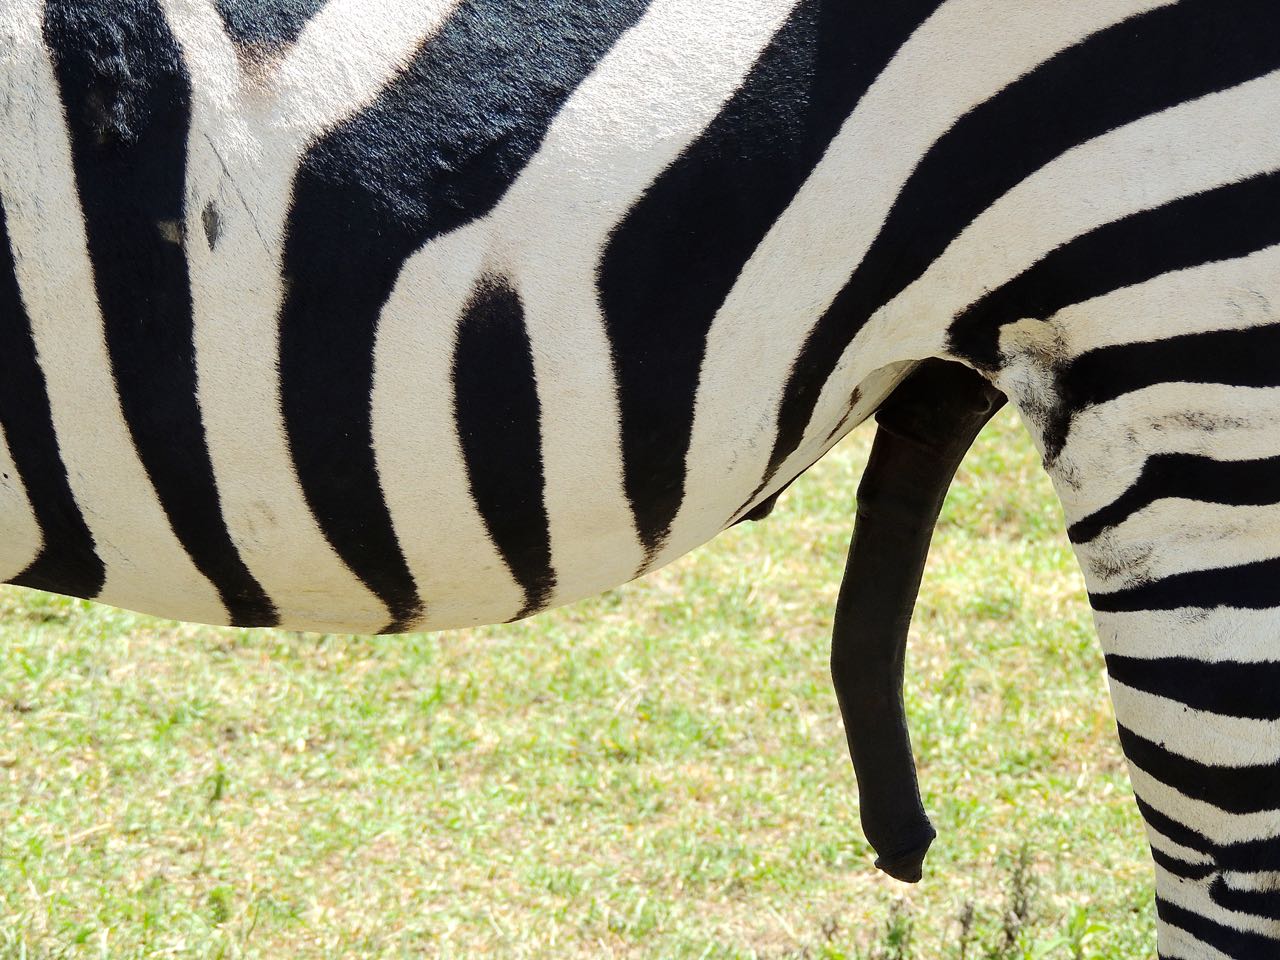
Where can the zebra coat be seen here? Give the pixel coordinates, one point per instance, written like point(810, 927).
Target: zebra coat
point(379, 315)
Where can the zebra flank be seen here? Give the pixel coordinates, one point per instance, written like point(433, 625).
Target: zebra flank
point(674, 259)
point(1114, 76)
point(392, 315)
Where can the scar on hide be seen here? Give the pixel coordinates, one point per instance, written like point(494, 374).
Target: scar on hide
point(244, 203)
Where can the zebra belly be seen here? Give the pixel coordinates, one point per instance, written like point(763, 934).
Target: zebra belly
point(471, 580)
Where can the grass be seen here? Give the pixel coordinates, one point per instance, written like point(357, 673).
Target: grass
point(659, 772)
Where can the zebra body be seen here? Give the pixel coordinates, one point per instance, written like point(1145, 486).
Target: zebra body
point(382, 315)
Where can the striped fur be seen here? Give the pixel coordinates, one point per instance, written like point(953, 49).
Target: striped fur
point(371, 315)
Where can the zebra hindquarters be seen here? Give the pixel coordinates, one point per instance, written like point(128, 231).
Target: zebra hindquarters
point(1162, 436)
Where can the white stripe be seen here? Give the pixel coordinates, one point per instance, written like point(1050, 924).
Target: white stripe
point(1199, 735)
point(1217, 825)
point(345, 54)
point(460, 575)
point(650, 96)
point(146, 567)
point(1166, 846)
point(1173, 536)
point(1227, 295)
point(952, 63)
point(1214, 636)
point(248, 138)
point(20, 538)
point(1260, 881)
point(1110, 442)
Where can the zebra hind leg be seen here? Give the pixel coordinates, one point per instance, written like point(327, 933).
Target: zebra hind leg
point(1188, 613)
point(1172, 497)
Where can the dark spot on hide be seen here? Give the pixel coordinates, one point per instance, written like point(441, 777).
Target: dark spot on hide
point(172, 231)
point(212, 221)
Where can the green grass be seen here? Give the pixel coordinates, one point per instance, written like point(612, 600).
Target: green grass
point(656, 773)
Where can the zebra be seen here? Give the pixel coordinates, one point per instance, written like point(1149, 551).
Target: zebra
point(390, 315)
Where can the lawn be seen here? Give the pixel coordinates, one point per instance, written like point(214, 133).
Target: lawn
point(659, 772)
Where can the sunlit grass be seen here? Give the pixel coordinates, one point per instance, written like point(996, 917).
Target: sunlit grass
point(656, 773)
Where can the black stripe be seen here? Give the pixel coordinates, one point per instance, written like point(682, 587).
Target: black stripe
point(1176, 831)
point(127, 100)
point(67, 562)
point(1239, 358)
point(1145, 64)
point(438, 149)
point(1220, 224)
point(674, 259)
point(1231, 689)
point(1260, 903)
point(497, 411)
point(269, 24)
point(1249, 789)
point(1181, 868)
point(1240, 944)
point(1239, 483)
point(1247, 856)
point(1249, 586)
point(1212, 226)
